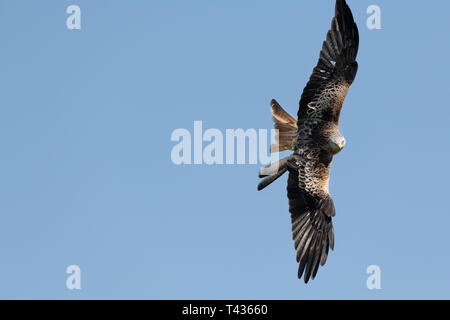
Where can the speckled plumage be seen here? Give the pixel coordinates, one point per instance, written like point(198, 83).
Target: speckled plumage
point(315, 139)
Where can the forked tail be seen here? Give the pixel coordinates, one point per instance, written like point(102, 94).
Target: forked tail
point(286, 127)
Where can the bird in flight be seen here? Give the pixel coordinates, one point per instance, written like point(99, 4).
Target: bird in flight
point(314, 139)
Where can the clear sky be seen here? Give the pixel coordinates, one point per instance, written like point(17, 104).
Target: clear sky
point(87, 179)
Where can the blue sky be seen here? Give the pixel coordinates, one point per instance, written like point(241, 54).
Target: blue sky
point(86, 176)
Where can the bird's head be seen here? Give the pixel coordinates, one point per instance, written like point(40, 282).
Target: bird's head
point(336, 142)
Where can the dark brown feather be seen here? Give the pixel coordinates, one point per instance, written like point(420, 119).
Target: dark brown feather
point(335, 70)
point(312, 229)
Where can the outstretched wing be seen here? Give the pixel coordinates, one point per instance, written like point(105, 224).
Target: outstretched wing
point(311, 209)
point(327, 88)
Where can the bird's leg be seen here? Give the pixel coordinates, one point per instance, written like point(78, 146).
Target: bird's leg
point(274, 168)
point(293, 163)
point(273, 172)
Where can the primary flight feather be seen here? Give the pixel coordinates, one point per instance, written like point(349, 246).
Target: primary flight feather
point(314, 139)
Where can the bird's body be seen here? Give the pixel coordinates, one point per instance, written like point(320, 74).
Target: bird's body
point(314, 139)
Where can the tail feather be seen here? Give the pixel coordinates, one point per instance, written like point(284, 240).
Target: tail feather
point(286, 126)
